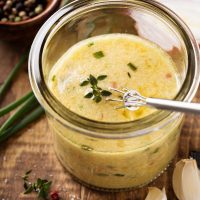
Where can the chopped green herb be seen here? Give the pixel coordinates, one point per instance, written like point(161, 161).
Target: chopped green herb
point(97, 92)
point(53, 78)
point(119, 175)
point(86, 148)
point(98, 54)
point(101, 77)
point(84, 83)
point(90, 44)
point(132, 66)
point(129, 75)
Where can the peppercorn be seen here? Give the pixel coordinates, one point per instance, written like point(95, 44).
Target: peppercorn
point(31, 14)
point(6, 7)
point(1, 13)
point(38, 9)
point(17, 19)
point(11, 17)
point(4, 19)
point(9, 3)
point(1, 4)
point(22, 13)
point(14, 11)
point(19, 6)
point(19, 10)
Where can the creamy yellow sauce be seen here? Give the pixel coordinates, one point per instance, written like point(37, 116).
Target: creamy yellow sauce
point(114, 163)
point(153, 75)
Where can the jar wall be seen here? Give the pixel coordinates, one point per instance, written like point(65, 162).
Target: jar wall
point(116, 163)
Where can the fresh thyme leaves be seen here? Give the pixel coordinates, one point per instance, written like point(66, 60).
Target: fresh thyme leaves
point(90, 44)
point(132, 66)
point(97, 93)
point(41, 186)
point(89, 95)
point(25, 177)
point(129, 75)
point(98, 54)
point(93, 81)
point(101, 77)
point(84, 83)
point(97, 99)
point(105, 93)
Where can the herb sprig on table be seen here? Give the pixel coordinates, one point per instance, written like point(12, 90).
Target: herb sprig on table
point(97, 93)
point(29, 109)
point(40, 186)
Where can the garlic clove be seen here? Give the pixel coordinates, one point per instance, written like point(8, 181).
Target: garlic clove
point(186, 180)
point(191, 181)
point(164, 194)
point(177, 179)
point(156, 194)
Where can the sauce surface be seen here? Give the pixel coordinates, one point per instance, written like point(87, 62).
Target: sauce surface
point(125, 61)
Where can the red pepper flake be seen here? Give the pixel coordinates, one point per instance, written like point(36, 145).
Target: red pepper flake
point(54, 195)
point(168, 75)
point(114, 84)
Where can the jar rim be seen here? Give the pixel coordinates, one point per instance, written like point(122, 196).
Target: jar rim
point(107, 129)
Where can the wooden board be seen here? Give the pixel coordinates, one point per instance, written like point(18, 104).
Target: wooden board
point(32, 149)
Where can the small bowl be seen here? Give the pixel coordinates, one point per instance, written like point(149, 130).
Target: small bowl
point(10, 31)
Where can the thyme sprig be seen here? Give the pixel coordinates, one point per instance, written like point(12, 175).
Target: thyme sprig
point(97, 93)
point(41, 186)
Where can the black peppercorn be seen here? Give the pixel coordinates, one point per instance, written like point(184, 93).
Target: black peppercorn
point(1, 13)
point(19, 6)
point(19, 10)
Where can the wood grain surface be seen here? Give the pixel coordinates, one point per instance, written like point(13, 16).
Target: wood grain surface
point(32, 148)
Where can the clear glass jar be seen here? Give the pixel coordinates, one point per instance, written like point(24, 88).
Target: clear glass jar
point(114, 156)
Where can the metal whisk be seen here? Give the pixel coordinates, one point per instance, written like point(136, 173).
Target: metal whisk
point(133, 100)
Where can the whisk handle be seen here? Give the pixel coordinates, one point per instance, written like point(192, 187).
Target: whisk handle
point(174, 105)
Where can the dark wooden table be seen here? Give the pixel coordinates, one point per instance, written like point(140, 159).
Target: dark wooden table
point(32, 148)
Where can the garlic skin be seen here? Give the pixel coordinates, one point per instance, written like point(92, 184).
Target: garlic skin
point(156, 194)
point(186, 180)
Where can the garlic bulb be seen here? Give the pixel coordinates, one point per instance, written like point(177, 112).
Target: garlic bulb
point(156, 194)
point(186, 180)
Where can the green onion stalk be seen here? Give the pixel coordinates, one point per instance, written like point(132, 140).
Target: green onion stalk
point(29, 109)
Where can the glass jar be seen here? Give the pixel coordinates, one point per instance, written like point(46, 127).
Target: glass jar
point(114, 156)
